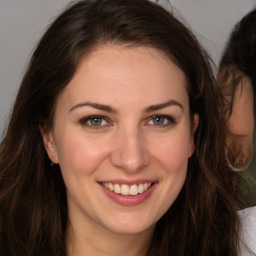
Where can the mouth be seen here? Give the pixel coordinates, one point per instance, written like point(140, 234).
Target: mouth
point(128, 193)
point(127, 190)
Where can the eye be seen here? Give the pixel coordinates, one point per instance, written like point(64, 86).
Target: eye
point(95, 122)
point(161, 120)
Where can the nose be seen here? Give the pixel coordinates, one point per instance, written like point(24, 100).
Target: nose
point(130, 151)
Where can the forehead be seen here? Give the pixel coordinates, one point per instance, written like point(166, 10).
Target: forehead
point(120, 73)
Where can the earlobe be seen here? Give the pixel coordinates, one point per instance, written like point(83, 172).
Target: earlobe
point(193, 130)
point(49, 144)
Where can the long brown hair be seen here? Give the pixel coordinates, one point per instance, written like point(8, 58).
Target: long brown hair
point(33, 209)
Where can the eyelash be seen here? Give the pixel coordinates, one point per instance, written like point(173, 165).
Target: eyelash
point(168, 121)
point(85, 122)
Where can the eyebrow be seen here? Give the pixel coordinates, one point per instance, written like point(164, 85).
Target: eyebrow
point(95, 105)
point(114, 111)
point(163, 105)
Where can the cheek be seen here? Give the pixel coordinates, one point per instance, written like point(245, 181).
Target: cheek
point(79, 154)
point(172, 158)
point(173, 151)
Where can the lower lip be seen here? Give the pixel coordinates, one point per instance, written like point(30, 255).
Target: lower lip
point(129, 200)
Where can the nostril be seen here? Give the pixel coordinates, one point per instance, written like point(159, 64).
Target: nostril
point(129, 162)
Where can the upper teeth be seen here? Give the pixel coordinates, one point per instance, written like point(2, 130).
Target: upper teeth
point(126, 190)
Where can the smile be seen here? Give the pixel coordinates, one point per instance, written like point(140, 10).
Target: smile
point(127, 190)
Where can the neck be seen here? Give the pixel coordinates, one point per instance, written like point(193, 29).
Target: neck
point(87, 240)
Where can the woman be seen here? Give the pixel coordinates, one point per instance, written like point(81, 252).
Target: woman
point(115, 142)
point(237, 79)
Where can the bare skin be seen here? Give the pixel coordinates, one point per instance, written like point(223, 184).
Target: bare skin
point(81, 242)
point(122, 121)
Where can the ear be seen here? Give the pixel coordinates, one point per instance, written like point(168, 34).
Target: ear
point(49, 144)
point(194, 126)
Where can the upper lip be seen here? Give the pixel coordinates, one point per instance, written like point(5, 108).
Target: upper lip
point(127, 182)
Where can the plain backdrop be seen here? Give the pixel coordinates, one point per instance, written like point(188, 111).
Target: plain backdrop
point(22, 23)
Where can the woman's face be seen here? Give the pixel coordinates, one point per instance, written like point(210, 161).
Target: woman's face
point(122, 136)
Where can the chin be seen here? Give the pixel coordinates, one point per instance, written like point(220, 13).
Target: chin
point(130, 226)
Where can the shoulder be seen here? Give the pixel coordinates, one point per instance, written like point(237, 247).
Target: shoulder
point(248, 231)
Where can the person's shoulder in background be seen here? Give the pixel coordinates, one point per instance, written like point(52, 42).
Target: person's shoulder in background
point(248, 231)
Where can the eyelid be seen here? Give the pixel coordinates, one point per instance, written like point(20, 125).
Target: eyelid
point(83, 121)
point(171, 120)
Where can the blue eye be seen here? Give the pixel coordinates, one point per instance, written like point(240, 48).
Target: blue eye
point(161, 120)
point(94, 121)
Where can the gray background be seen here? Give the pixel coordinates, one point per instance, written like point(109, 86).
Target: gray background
point(22, 22)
